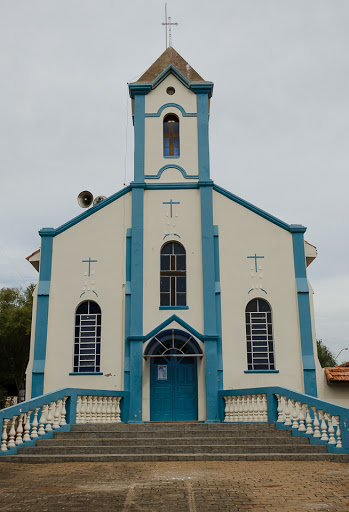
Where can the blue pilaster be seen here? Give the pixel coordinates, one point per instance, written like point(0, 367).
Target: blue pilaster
point(127, 310)
point(305, 327)
point(218, 307)
point(38, 371)
point(209, 269)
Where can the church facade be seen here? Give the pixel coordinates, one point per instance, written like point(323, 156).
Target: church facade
point(173, 288)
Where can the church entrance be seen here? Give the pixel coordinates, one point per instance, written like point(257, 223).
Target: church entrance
point(173, 358)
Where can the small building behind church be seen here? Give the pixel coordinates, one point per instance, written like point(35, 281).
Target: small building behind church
point(173, 288)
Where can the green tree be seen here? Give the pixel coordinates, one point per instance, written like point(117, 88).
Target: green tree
point(15, 325)
point(325, 356)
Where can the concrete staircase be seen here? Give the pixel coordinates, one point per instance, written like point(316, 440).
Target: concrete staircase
point(173, 442)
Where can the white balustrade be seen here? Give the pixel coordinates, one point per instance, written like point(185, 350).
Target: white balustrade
point(245, 408)
point(320, 425)
point(25, 426)
point(98, 409)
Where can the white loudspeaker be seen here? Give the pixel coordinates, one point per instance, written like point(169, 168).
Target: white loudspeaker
point(85, 199)
point(98, 199)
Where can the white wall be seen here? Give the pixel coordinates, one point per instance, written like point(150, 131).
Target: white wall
point(101, 236)
point(243, 233)
point(154, 159)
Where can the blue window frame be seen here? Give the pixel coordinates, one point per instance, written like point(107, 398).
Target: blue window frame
point(171, 135)
point(259, 335)
point(87, 344)
point(173, 279)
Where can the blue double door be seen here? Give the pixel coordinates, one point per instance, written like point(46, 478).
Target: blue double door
point(173, 389)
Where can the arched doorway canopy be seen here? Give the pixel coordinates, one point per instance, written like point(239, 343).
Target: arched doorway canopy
point(173, 343)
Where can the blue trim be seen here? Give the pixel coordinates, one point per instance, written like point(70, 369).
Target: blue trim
point(218, 307)
point(304, 313)
point(86, 373)
point(252, 208)
point(127, 309)
point(173, 318)
point(171, 166)
point(91, 211)
point(173, 307)
point(203, 142)
point(261, 371)
point(172, 105)
point(138, 89)
point(38, 371)
point(170, 186)
point(210, 307)
point(136, 306)
point(139, 130)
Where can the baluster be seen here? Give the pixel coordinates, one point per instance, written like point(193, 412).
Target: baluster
point(230, 408)
point(338, 432)
point(118, 410)
point(57, 414)
point(265, 408)
point(324, 436)
point(226, 408)
point(26, 421)
point(109, 409)
point(35, 423)
point(256, 408)
point(89, 409)
point(294, 415)
point(49, 417)
point(3, 447)
point(233, 410)
point(279, 409)
point(11, 441)
point(261, 408)
point(78, 409)
point(308, 421)
point(287, 412)
point(99, 409)
point(83, 409)
point(332, 439)
point(240, 416)
point(316, 423)
point(94, 410)
point(104, 409)
point(250, 401)
point(245, 408)
point(301, 417)
point(42, 420)
point(113, 409)
point(236, 409)
point(19, 439)
point(62, 420)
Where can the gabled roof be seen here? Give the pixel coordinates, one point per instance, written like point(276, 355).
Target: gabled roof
point(169, 58)
point(338, 373)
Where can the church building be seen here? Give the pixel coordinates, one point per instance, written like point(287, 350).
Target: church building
point(173, 288)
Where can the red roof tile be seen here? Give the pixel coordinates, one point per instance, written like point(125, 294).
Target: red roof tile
point(338, 373)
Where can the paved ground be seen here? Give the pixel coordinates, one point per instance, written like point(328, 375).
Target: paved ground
point(174, 486)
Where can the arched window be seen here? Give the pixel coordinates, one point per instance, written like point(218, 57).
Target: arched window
point(87, 346)
point(259, 335)
point(173, 286)
point(171, 135)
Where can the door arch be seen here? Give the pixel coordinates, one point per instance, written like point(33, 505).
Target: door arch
point(173, 358)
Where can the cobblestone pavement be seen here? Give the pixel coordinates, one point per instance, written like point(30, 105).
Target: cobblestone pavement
point(175, 486)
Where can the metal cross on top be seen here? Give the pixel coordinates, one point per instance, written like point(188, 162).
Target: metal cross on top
point(255, 260)
point(171, 203)
point(168, 23)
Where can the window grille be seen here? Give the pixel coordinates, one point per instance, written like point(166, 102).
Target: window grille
point(171, 135)
point(87, 345)
point(173, 281)
point(259, 335)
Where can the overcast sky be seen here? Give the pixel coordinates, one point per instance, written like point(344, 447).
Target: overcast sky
point(279, 125)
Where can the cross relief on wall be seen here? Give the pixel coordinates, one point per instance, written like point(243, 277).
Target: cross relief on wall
point(256, 271)
point(89, 280)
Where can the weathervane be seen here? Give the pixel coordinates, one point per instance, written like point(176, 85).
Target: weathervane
point(168, 23)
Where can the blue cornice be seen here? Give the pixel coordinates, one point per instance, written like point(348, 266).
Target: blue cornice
point(171, 166)
point(173, 318)
point(172, 105)
point(196, 87)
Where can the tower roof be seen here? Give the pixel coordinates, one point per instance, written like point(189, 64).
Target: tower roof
point(170, 58)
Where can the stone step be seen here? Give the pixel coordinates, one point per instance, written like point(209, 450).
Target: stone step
point(183, 441)
point(32, 459)
point(175, 426)
point(180, 450)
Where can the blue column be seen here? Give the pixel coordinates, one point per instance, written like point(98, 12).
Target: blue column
point(135, 338)
point(218, 307)
point(127, 310)
point(305, 327)
point(203, 146)
point(38, 371)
